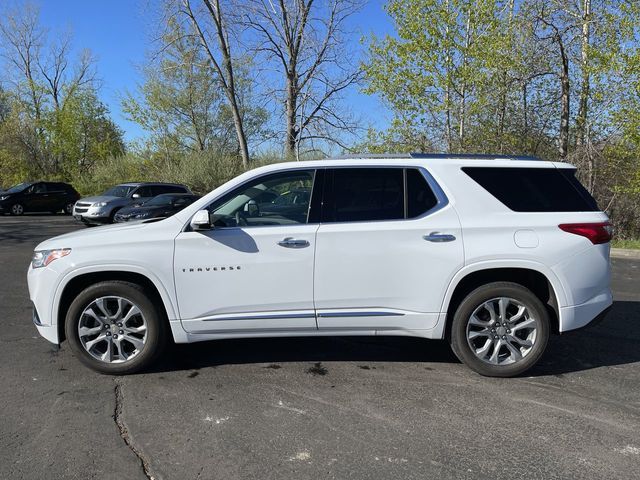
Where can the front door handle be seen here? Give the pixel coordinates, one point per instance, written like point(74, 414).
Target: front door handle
point(439, 237)
point(291, 242)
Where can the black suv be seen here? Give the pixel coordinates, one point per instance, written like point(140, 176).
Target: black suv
point(38, 197)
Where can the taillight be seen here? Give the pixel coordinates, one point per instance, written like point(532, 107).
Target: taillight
point(596, 232)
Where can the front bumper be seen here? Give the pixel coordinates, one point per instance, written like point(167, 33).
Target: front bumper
point(48, 332)
point(92, 215)
point(43, 283)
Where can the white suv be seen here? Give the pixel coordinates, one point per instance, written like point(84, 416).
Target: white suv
point(490, 253)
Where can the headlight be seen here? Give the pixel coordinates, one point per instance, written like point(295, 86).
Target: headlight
point(99, 204)
point(4, 197)
point(42, 258)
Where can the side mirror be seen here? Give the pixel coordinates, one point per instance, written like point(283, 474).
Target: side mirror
point(201, 220)
point(136, 195)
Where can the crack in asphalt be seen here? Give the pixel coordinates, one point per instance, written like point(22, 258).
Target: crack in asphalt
point(124, 432)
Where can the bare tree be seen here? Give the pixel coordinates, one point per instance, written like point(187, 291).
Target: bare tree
point(61, 83)
point(558, 33)
point(305, 43)
point(221, 58)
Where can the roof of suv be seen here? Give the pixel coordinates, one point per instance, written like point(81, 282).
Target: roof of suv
point(138, 184)
point(439, 160)
point(427, 156)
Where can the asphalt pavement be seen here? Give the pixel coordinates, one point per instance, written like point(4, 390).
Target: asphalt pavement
point(325, 408)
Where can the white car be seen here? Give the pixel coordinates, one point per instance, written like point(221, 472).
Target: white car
point(490, 253)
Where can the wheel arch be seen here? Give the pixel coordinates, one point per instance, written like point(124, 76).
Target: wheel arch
point(537, 278)
point(73, 284)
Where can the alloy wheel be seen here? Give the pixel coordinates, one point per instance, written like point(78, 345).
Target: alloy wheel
point(17, 209)
point(112, 329)
point(502, 331)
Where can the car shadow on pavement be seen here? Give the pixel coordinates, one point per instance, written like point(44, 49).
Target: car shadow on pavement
point(612, 342)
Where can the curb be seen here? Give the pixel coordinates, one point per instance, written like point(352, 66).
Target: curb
point(625, 253)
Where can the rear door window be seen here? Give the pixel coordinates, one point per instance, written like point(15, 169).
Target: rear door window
point(420, 197)
point(534, 189)
point(373, 194)
point(364, 194)
point(160, 189)
point(145, 192)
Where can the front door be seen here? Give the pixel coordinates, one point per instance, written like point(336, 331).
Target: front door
point(253, 271)
point(387, 247)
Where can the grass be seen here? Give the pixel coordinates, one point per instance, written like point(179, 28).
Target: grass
point(626, 243)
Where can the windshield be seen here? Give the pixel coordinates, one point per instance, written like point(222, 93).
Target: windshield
point(119, 191)
point(161, 200)
point(18, 188)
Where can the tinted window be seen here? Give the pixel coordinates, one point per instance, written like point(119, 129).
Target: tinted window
point(420, 197)
point(257, 203)
point(534, 189)
point(364, 194)
point(119, 191)
point(160, 189)
point(145, 192)
point(39, 188)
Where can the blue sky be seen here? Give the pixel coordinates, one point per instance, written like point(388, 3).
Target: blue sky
point(118, 32)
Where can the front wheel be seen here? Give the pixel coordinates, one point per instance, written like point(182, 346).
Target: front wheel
point(500, 329)
point(68, 208)
point(17, 209)
point(114, 328)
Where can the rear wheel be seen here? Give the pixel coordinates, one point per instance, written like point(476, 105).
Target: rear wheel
point(68, 208)
point(500, 329)
point(17, 209)
point(114, 328)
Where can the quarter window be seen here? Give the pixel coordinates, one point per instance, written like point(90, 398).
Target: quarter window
point(534, 189)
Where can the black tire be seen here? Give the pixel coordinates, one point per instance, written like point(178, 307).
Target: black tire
point(156, 331)
point(16, 209)
point(475, 299)
point(68, 208)
point(113, 214)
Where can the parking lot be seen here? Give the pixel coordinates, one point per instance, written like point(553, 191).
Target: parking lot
point(361, 408)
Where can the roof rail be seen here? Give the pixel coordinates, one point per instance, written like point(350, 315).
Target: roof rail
point(469, 156)
point(353, 156)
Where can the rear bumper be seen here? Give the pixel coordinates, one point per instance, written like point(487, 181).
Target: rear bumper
point(588, 313)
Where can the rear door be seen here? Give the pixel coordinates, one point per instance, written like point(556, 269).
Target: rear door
point(387, 247)
point(37, 198)
point(56, 195)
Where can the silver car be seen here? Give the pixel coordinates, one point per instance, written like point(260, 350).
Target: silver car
point(100, 210)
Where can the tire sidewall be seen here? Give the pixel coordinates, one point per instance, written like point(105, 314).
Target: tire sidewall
point(154, 320)
point(480, 295)
point(17, 205)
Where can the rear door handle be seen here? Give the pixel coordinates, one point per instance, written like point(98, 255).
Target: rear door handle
point(439, 237)
point(291, 242)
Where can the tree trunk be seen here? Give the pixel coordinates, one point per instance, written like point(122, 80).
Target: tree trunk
point(224, 69)
point(583, 104)
point(291, 139)
point(447, 95)
point(563, 144)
